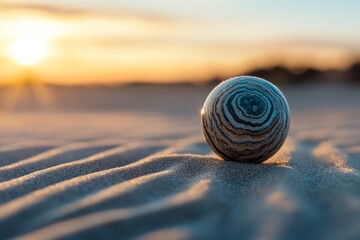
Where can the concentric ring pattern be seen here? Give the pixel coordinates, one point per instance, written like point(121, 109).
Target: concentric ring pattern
point(245, 119)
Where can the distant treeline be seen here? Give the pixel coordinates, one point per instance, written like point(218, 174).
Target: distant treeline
point(281, 75)
point(284, 76)
point(278, 75)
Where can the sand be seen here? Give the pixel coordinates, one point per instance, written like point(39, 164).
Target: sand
point(126, 169)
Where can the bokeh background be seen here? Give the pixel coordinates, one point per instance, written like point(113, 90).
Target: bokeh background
point(119, 42)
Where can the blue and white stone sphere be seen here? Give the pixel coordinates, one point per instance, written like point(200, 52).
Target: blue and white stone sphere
point(245, 119)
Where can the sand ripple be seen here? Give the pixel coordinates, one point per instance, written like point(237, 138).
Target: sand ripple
point(120, 179)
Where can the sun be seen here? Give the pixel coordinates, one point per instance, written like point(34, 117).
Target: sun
point(28, 50)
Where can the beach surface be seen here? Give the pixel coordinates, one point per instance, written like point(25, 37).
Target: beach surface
point(131, 163)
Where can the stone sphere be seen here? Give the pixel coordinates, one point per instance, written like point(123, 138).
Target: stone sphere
point(245, 119)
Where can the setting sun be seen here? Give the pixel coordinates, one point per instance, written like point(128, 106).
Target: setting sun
point(28, 51)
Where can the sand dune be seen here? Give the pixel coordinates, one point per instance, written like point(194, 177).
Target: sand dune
point(128, 175)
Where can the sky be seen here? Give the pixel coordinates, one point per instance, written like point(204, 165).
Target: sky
point(104, 41)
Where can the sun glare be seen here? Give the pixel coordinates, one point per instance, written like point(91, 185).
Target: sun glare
point(28, 51)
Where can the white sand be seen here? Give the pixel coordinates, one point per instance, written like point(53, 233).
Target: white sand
point(148, 174)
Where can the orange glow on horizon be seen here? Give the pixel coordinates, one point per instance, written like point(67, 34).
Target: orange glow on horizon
point(101, 49)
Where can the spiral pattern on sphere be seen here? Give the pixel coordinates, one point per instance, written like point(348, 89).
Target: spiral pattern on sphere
point(245, 119)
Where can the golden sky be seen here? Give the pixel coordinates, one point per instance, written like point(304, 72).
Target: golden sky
point(75, 42)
